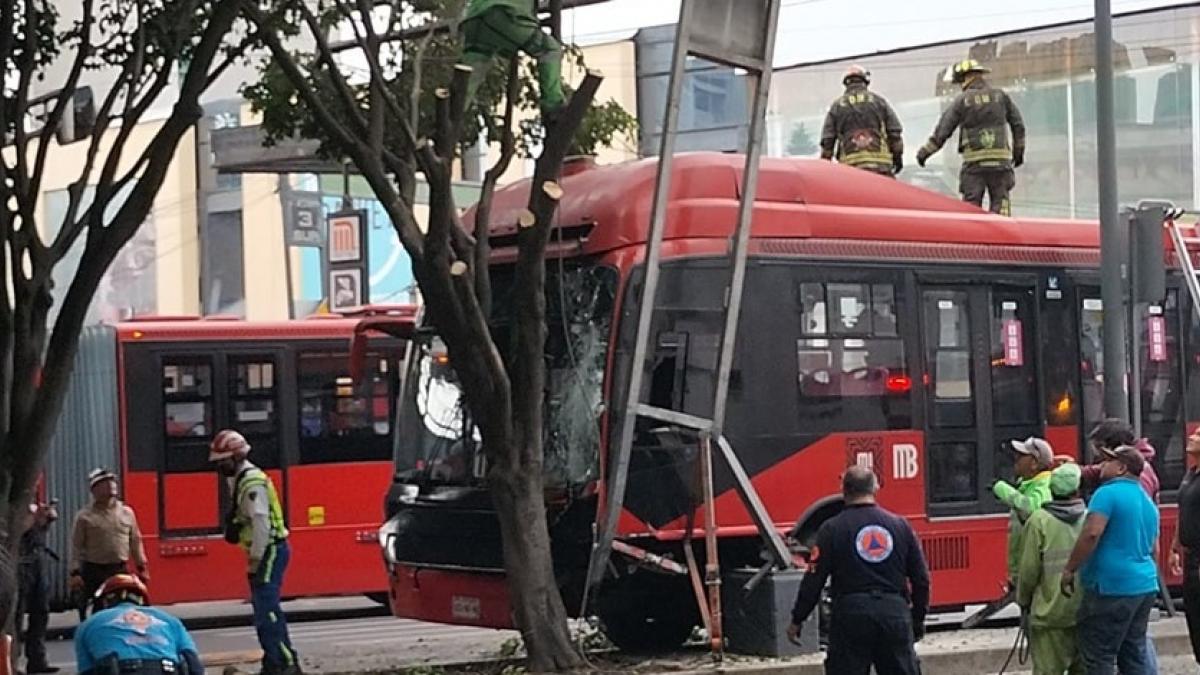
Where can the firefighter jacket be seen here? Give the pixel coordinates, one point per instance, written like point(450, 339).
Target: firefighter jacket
point(863, 129)
point(258, 515)
point(1049, 537)
point(983, 115)
point(1023, 500)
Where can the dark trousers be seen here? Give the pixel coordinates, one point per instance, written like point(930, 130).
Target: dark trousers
point(94, 575)
point(997, 183)
point(34, 602)
point(269, 621)
point(1191, 600)
point(871, 629)
point(1112, 633)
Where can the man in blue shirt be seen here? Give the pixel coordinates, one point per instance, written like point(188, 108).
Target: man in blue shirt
point(1118, 575)
point(127, 637)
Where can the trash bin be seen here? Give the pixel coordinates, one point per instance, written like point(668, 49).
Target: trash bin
point(756, 622)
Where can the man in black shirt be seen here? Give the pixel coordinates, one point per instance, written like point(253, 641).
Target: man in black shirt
point(1185, 549)
point(880, 585)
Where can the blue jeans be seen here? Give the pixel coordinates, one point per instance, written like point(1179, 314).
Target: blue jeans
point(269, 621)
point(1112, 633)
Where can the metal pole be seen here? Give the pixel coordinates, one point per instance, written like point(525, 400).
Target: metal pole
point(712, 565)
point(619, 473)
point(284, 189)
point(1112, 257)
point(1137, 310)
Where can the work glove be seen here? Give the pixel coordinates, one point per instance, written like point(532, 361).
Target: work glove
point(918, 627)
point(897, 163)
point(1018, 157)
point(922, 155)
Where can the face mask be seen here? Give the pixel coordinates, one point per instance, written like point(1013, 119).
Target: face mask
point(227, 469)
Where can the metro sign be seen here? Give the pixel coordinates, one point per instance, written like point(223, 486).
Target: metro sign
point(345, 237)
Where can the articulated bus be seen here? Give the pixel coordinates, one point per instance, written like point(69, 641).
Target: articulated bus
point(882, 324)
point(149, 395)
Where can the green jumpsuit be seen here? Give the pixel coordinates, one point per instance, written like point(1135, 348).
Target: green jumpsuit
point(1050, 535)
point(503, 28)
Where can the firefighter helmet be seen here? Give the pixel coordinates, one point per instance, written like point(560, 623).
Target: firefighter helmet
point(856, 72)
point(228, 444)
point(965, 67)
point(122, 588)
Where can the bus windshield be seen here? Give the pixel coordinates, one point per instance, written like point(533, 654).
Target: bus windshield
point(437, 440)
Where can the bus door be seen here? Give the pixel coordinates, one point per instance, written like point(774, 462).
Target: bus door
point(981, 389)
point(202, 394)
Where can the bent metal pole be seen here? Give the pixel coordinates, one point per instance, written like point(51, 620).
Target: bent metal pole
point(1112, 234)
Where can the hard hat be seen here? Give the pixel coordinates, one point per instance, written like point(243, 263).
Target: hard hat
point(228, 444)
point(100, 475)
point(121, 588)
point(856, 72)
point(961, 69)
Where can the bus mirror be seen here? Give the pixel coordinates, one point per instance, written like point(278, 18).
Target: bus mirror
point(1146, 248)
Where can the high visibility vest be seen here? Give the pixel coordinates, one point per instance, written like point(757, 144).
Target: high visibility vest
point(251, 478)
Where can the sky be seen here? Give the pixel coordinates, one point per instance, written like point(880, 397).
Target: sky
point(814, 30)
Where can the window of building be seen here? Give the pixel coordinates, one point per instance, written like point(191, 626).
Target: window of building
point(341, 421)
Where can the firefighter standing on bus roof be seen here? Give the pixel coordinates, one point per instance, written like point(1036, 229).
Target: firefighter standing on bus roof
point(505, 27)
point(255, 522)
point(104, 538)
point(880, 584)
point(128, 637)
point(983, 114)
point(863, 128)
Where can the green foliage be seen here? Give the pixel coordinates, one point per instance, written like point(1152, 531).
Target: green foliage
point(432, 60)
point(801, 142)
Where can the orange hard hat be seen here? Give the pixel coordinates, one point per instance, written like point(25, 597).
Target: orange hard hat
point(228, 444)
point(121, 587)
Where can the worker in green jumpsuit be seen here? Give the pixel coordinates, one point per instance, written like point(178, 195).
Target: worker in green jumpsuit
point(503, 28)
point(1050, 535)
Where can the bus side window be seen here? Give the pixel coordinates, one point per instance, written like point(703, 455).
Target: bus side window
point(252, 391)
point(670, 367)
point(187, 399)
point(341, 421)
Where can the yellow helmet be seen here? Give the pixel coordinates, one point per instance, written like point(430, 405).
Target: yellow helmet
point(960, 70)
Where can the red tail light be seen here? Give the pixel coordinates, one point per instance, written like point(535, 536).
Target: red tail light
point(898, 384)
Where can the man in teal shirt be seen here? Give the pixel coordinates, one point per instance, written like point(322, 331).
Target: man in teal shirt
point(1115, 559)
point(503, 28)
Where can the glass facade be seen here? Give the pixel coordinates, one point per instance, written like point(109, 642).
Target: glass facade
point(1049, 72)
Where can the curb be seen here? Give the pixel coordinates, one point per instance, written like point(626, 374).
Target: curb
point(214, 659)
point(246, 620)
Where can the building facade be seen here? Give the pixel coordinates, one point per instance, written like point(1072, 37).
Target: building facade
point(1049, 71)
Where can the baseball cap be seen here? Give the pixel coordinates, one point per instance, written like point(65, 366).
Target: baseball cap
point(1037, 448)
point(1064, 480)
point(1128, 455)
point(99, 476)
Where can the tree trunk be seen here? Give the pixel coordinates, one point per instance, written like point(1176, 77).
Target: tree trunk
point(536, 602)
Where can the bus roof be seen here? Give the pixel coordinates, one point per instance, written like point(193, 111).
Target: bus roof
point(185, 328)
point(608, 207)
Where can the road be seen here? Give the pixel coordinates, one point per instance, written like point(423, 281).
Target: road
point(339, 639)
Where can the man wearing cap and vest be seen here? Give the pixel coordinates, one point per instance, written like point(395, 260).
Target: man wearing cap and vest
point(1032, 467)
point(502, 28)
point(256, 524)
point(126, 636)
point(983, 114)
point(862, 127)
point(1050, 534)
point(104, 538)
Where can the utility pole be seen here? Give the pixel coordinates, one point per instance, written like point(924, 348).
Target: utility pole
point(1112, 233)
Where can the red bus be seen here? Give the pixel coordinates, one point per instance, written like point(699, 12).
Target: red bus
point(882, 324)
point(324, 440)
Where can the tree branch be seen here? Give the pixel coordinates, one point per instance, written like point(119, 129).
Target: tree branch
point(325, 56)
point(65, 97)
point(483, 210)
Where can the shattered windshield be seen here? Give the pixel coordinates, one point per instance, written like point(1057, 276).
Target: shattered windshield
point(433, 438)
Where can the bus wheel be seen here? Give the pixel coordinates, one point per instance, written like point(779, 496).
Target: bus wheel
point(641, 617)
point(380, 598)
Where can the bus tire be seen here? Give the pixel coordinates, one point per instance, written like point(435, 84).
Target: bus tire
point(649, 615)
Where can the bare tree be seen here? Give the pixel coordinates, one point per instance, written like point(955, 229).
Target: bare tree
point(148, 50)
point(404, 113)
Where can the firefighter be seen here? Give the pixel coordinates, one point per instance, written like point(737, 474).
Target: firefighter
point(983, 114)
point(255, 522)
point(502, 28)
point(126, 636)
point(863, 128)
point(880, 584)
